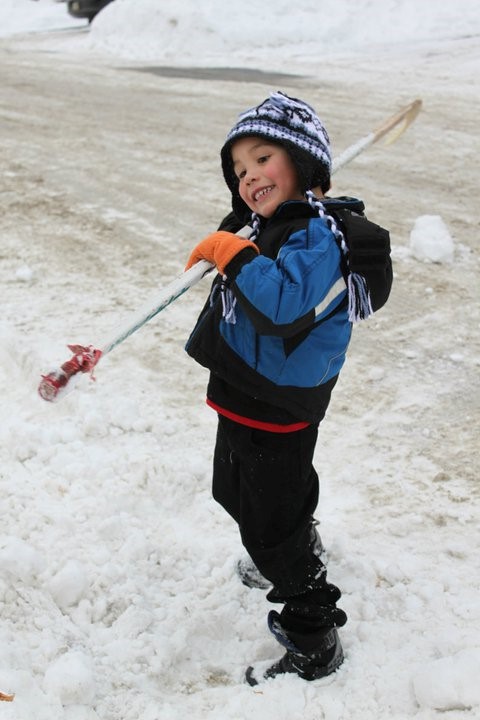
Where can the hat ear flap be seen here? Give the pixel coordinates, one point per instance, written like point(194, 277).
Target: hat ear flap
point(311, 173)
point(240, 208)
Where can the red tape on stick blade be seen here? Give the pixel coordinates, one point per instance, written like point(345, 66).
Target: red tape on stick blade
point(83, 360)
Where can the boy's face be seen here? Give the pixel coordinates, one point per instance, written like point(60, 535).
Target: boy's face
point(266, 175)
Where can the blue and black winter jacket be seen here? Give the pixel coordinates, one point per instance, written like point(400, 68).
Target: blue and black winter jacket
point(279, 360)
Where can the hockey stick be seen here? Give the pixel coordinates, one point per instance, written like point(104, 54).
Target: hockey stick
point(85, 358)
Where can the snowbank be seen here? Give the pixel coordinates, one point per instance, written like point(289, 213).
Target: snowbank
point(200, 33)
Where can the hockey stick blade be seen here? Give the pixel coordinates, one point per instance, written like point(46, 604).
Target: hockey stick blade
point(397, 125)
point(391, 129)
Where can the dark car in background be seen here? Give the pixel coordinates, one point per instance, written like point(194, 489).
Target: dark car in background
point(86, 8)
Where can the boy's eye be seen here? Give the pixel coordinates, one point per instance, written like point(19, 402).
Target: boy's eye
point(261, 160)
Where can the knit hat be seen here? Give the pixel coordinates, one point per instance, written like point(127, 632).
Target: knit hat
point(294, 125)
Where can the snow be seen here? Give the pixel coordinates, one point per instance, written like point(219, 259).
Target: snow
point(430, 239)
point(20, 16)
point(118, 597)
point(449, 683)
point(70, 678)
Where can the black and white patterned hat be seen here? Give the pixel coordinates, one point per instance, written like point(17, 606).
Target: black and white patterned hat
point(291, 123)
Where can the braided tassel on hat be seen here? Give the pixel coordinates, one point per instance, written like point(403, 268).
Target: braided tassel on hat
point(359, 303)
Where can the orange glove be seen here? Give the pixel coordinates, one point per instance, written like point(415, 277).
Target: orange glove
point(219, 248)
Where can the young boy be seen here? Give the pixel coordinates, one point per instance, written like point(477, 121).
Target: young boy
point(274, 334)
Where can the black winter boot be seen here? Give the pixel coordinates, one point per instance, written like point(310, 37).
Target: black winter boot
point(324, 659)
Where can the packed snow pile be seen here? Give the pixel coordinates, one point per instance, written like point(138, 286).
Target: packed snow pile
point(247, 30)
point(450, 683)
point(430, 239)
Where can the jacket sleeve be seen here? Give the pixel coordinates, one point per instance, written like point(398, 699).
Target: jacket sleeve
point(300, 287)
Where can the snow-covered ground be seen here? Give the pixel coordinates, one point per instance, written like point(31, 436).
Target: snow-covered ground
point(118, 597)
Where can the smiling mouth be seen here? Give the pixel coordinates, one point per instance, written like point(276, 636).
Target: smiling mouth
point(261, 194)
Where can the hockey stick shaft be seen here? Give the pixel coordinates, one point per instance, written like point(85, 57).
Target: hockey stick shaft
point(167, 295)
point(85, 359)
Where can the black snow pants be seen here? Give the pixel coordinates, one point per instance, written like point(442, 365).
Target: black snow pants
point(267, 483)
